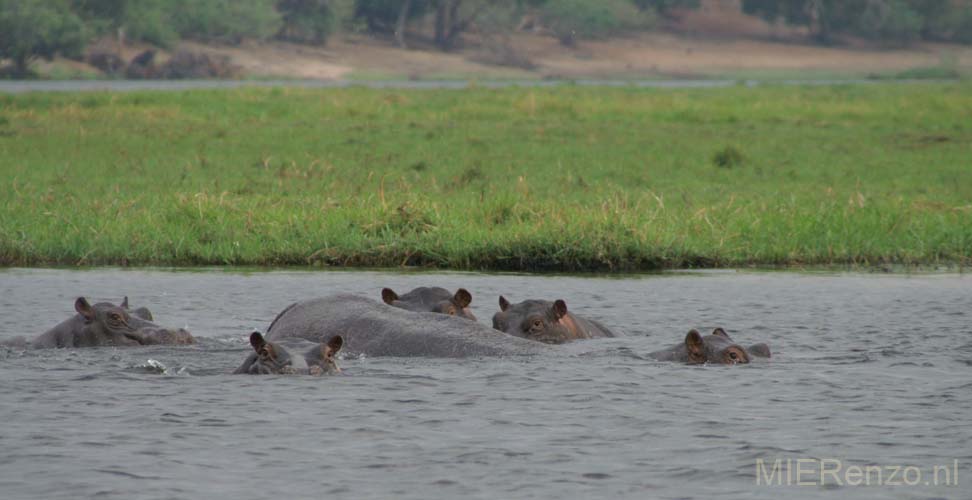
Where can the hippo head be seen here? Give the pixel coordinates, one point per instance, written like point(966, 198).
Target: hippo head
point(275, 359)
point(719, 348)
point(141, 312)
point(321, 360)
point(270, 358)
point(432, 299)
point(107, 324)
point(538, 320)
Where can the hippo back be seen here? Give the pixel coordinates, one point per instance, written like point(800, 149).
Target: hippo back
point(374, 329)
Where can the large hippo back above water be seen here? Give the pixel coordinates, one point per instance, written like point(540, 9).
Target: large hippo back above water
point(371, 328)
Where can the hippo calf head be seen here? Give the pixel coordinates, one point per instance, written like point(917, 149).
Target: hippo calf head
point(275, 359)
point(107, 324)
point(538, 320)
point(431, 299)
point(716, 348)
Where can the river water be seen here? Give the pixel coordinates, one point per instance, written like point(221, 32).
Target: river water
point(868, 370)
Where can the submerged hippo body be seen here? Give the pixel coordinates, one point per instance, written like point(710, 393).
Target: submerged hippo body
point(105, 324)
point(545, 321)
point(374, 329)
point(270, 358)
point(716, 348)
point(431, 299)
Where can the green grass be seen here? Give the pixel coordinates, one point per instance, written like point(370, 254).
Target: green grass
point(572, 178)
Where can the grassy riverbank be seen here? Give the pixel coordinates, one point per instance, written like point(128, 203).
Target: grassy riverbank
point(522, 179)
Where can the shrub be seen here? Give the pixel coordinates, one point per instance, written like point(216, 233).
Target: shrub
point(728, 157)
point(306, 20)
point(139, 20)
point(38, 28)
point(380, 16)
point(573, 20)
point(962, 32)
point(892, 21)
point(225, 20)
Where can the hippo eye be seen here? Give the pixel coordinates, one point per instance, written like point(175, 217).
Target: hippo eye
point(452, 312)
point(733, 355)
point(115, 317)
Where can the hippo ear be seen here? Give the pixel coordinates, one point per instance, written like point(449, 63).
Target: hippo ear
point(759, 350)
point(695, 346)
point(84, 308)
point(504, 304)
point(388, 295)
point(257, 341)
point(720, 332)
point(560, 308)
point(124, 303)
point(462, 298)
point(332, 346)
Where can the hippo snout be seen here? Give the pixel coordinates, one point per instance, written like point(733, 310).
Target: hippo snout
point(179, 336)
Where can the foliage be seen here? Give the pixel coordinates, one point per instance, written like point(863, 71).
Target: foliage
point(306, 20)
point(963, 27)
point(572, 20)
point(569, 178)
point(894, 21)
point(728, 157)
point(38, 28)
point(453, 17)
point(135, 20)
point(380, 16)
point(225, 20)
point(665, 7)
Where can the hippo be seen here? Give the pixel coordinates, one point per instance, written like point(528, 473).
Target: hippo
point(371, 328)
point(544, 321)
point(105, 324)
point(715, 348)
point(432, 299)
point(270, 358)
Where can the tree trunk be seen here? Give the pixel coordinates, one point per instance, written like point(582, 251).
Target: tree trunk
point(441, 22)
point(454, 24)
point(818, 23)
point(21, 66)
point(400, 25)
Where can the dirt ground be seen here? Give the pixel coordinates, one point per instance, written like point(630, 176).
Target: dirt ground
point(644, 56)
point(656, 55)
point(716, 41)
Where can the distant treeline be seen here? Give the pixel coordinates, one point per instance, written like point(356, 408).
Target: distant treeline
point(44, 28)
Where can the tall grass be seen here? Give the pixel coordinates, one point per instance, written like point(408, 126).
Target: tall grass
point(516, 179)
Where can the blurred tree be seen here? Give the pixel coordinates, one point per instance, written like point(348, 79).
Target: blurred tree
point(962, 30)
point(936, 17)
point(453, 17)
point(572, 20)
point(896, 21)
point(38, 28)
point(888, 20)
point(381, 16)
point(309, 21)
point(138, 20)
point(225, 20)
point(666, 7)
